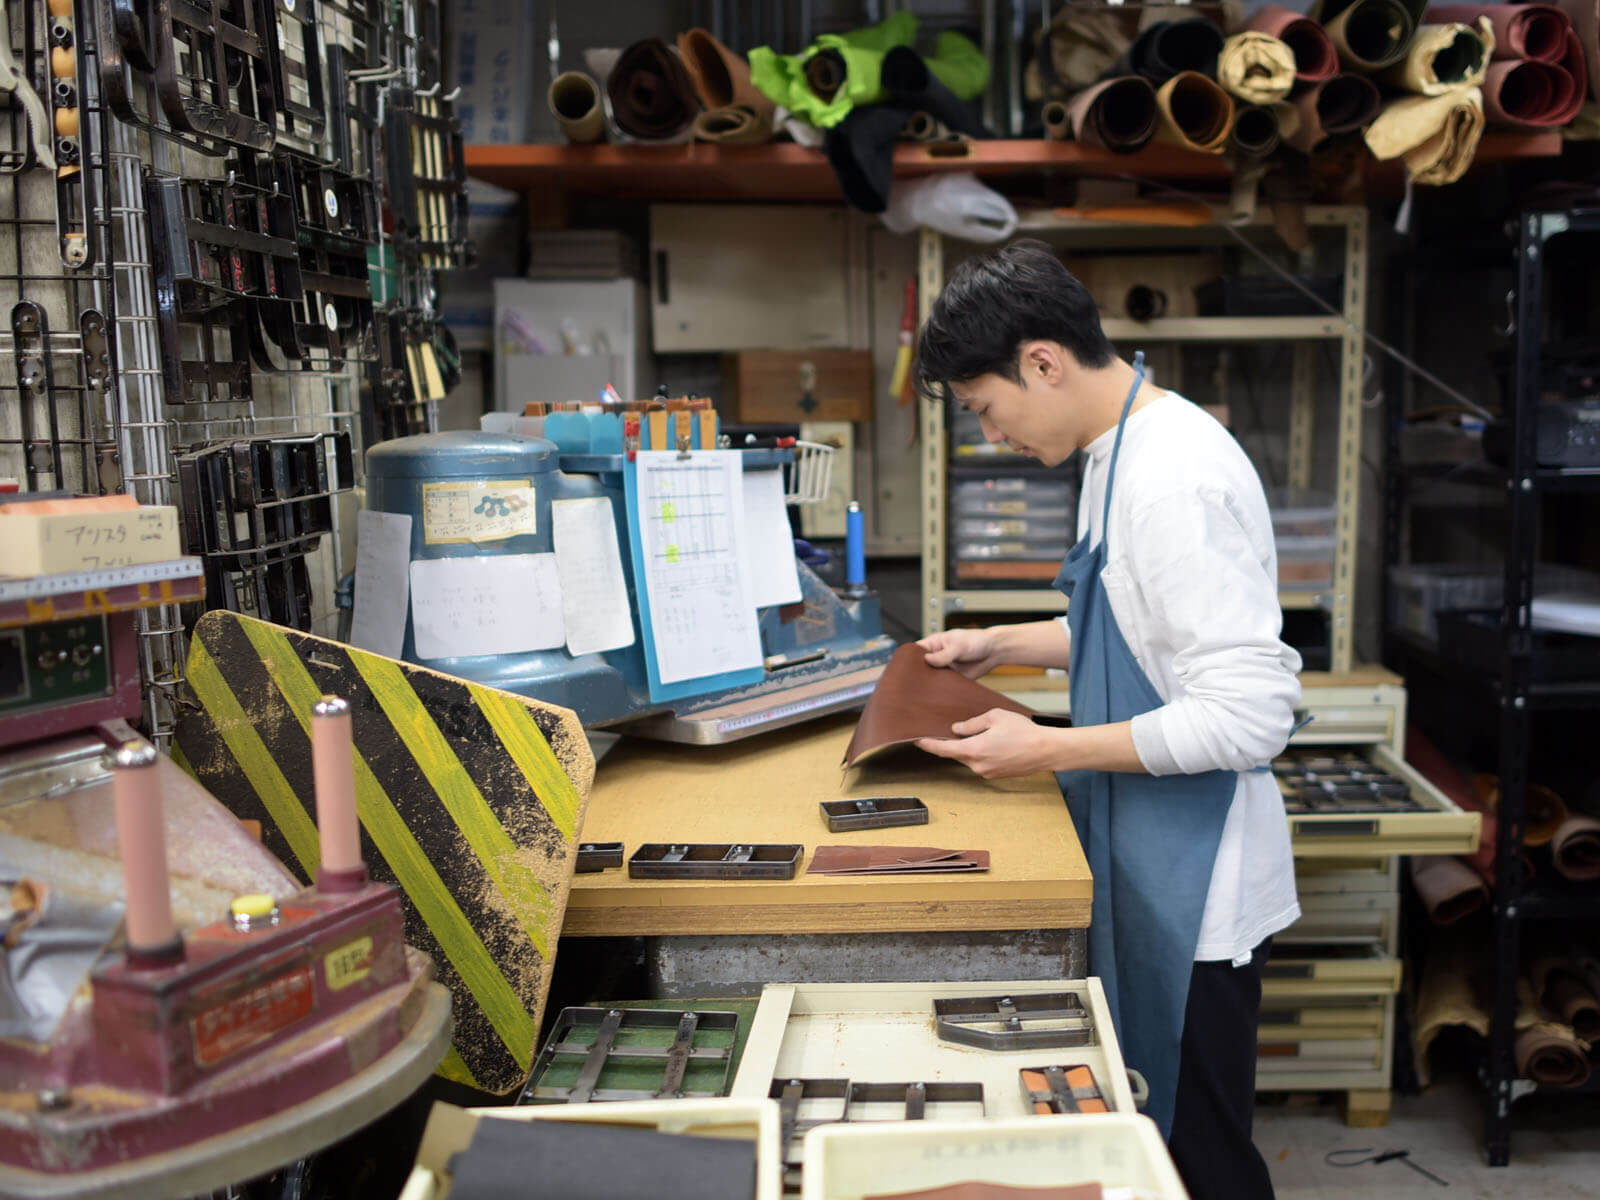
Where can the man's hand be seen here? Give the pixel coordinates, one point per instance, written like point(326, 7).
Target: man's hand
point(973, 652)
point(998, 744)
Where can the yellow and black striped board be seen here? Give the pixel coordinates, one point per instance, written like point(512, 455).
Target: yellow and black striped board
point(470, 800)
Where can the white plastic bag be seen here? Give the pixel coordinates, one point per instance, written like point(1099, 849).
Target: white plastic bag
point(958, 205)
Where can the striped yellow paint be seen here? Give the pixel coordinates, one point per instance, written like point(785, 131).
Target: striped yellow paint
point(181, 760)
point(407, 859)
point(454, 1069)
point(459, 795)
point(514, 725)
point(255, 760)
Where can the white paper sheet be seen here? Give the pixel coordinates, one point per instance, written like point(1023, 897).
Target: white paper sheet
point(594, 594)
point(691, 532)
point(488, 604)
point(769, 541)
point(383, 592)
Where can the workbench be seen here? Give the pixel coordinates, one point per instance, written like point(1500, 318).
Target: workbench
point(1026, 913)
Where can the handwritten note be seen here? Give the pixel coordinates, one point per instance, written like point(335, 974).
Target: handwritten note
point(773, 577)
point(383, 582)
point(691, 533)
point(490, 604)
point(594, 594)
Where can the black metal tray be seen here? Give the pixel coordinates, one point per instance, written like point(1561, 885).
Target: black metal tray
point(877, 812)
point(665, 860)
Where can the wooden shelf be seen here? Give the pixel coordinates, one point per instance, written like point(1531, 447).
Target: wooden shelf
point(783, 171)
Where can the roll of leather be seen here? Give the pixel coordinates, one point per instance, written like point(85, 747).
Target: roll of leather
point(1561, 988)
point(1550, 1054)
point(1536, 31)
point(1575, 848)
point(825, 73)
point(1370, 34)
point(574, 101)
point(1255, 130)
point(650, 93)
point(910, 83)
point(1256, 68)
point(1436, 135)
point(1585, 18)
point(1442, 58)
point(1168, 48)
point(1315, 56)
point(1450, 890)
point(922, 127)
point(1117, 114)
point(720, 77)
point(1057, 125)
point(1542, 810)
point(1081, 46)
point(1342, 104)
point(1529, 94)
point(733, 125)
point(861, 151)
point(1194, 112)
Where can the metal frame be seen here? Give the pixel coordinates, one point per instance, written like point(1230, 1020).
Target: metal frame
point(939, 600)
point(608, 1024)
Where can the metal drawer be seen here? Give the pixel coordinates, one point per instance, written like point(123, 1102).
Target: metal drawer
point(1443, 829)
point(1275, 1058)
point(1322, 1020)
point(1355, 973)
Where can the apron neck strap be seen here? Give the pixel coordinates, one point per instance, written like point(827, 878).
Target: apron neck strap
point(1116, 446)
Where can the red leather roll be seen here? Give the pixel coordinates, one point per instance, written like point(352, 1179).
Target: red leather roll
point(1536, 95)
point(1536, 31)
point(1315, 57)
point(1585, 18)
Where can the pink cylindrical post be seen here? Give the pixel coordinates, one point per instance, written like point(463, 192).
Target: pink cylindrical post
point(333, 768)
point(142, 839)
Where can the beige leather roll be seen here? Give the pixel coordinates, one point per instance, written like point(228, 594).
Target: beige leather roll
point(1256, 68)
point(574, 101)
point(1443, 57)
point(1194, 112)
point(734, 125)
point(1436, 135)
point(1057, 126)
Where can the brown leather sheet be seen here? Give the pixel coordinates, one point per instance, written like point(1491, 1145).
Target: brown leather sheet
point(1536, 31)
point(974, 1189)
point(913, 700)
point(1119, 114)
point(1450, 889)
point(894, 860)
point(1315, 56)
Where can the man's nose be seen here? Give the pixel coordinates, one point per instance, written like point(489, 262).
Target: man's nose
point(991, 432)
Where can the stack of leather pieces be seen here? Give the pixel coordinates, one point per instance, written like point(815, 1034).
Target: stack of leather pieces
point(913, 700)
point(1538, 74)
point(894, 860)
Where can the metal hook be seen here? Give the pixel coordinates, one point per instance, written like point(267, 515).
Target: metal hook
point(451, 98)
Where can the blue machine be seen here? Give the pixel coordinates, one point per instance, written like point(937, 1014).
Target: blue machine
point(823, 656)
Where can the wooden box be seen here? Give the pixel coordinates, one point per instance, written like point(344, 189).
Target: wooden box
point(760, 386)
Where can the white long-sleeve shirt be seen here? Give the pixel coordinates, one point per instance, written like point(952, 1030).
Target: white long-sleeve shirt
point(1191, 576)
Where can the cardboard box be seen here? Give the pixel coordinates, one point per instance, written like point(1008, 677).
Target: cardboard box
point(785, 386)
point(61, 542)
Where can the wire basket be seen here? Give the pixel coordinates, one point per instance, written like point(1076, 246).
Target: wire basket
point(807, 478)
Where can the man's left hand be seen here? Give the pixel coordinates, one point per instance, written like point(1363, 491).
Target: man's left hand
point(998, 744)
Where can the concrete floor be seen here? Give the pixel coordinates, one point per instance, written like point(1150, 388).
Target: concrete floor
point(1555, 1149)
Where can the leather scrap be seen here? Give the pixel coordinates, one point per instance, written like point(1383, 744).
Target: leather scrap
point(913, 700)
point(1450, 890)
point(1536, 31)
point(1436, 135)
point(1315, 56)
point(1119, 114)
point(1444, 57)
point(894, 860)
point(1256, 67)
point(1194, 112)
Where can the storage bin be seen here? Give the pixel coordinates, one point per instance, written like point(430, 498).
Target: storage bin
point(1305, 563)
point(1301, 513)
point(1420, 592)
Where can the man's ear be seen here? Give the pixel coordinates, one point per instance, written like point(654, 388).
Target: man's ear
point(1042, 361)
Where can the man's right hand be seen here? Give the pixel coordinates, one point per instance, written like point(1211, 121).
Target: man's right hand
point(973, 652)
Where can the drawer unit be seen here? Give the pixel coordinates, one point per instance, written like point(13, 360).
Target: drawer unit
point(1361, 974)
point(1333, 919)
point(1280, 1058)
point(1422, 821)
point(1323, 1020)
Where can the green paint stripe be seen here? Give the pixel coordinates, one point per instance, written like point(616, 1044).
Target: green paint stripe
point(459, 794)
point(456, 1070)
point(514, 725)
point(407, 859)
point(255, 760)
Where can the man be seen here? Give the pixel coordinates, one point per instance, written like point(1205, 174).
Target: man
point(1182, 689)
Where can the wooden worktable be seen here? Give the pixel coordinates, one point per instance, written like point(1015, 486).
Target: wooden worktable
point(766, 789)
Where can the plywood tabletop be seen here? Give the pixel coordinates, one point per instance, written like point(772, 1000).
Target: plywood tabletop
point(767, 789)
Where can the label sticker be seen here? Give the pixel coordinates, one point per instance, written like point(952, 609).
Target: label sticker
point(483, 511)
point(252, 1016)
point(350, 963)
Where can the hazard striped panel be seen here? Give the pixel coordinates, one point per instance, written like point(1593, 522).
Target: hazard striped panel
point(470, 800)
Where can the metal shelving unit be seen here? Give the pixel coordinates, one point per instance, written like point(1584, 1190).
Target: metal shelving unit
point(940, 599)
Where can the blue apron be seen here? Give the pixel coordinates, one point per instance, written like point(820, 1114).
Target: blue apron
point(1151, 842)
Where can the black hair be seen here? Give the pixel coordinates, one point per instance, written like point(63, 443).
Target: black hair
point(995, 302)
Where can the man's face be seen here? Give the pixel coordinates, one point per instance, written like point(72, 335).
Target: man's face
point(1027, 419)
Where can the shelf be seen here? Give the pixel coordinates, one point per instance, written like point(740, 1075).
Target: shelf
point(1549, 906)
point(1013, 600)
point(783, 171)
point(1548, 696)
point(1489, 475)
point(1217, 329)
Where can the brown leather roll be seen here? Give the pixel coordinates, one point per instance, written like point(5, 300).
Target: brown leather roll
point(720, 77)
point(925, 127)
point(574, 101)
point(1118, 114)
point(1562, 989)
point(1194, 112)
point(1342, 104)
point(1057, 125)
point(1315, 56)
point(1536, 31)
point(734, 125)
point(1371, 34)
point(1450, 890)
point(1585, 18)
point(651, 96)
point(1442, 58)
point(1551, 1055)
point(1575, 848)
point(1255, 131)
point(825, 74)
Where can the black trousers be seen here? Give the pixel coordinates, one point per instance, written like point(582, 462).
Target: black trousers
point(1216, 1102)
